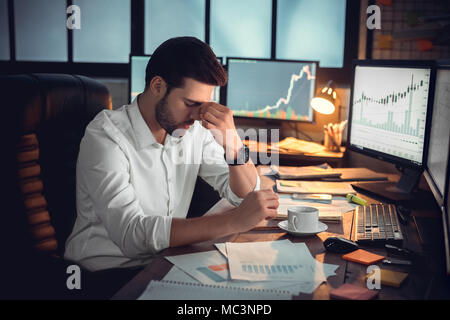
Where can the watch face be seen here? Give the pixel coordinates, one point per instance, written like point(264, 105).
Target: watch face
point(244, 155)
point(247, 153)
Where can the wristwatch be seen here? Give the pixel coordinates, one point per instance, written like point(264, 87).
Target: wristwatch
point(242, 157)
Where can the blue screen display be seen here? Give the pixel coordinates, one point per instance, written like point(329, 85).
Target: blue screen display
point(105, 35)
point(311, 30)
point(4, 31)
point(241, 28)
point(40, 32)
point(271, 89)
point(165, 19)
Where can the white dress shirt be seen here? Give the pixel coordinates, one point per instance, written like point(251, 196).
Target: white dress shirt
point(129, 187)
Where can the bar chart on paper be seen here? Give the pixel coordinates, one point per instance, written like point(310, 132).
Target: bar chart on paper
point(271, 269)
point(269, 261)
point(390, 109)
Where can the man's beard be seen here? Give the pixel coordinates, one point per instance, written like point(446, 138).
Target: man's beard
point(164, 116)
point(166, 119)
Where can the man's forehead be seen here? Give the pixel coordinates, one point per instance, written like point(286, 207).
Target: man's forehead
point(196, 91)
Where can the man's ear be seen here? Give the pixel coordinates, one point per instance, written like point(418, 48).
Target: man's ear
point(158, 86)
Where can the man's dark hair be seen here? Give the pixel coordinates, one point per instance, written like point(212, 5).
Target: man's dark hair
point(185, 57)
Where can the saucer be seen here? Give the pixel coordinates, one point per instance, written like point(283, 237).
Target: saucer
point(321, 228)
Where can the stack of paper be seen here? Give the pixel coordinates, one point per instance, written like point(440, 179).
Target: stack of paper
point(335, 188)
point(323, 172)
point(294, 145)
point(259, 265)
point(308, 172)
point(327, 212)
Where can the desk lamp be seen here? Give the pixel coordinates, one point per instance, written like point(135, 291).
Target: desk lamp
point(325, 100)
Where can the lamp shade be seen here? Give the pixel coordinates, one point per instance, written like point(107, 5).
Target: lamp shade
point(325, 100)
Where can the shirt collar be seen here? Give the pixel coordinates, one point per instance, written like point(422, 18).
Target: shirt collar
point(144, 135)
point(142, 132)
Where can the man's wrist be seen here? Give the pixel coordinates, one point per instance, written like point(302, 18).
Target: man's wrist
point(234, 220)
point(232, 147)
point(242, 157)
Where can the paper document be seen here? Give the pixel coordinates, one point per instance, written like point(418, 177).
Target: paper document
point(317, 272)
point(325, 173)
point(327, 212)
point(168, 290)
point(176, 274)
point(292, 144)
point(356, 174)
point(334, 188)
point(305, 172)
point(210, 268)
point(272, 261)
point(187, 265)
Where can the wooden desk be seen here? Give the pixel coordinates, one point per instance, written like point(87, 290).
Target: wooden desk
point(292, 158)
point(424, 277)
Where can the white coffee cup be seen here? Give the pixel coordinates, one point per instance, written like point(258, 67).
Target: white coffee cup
point(303, 219)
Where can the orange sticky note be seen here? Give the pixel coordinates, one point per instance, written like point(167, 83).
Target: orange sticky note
point(424, 45)
point(363, 256)
point(391, 278)
point(384, 41)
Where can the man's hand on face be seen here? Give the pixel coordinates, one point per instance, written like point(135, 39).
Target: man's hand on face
point(219, 119)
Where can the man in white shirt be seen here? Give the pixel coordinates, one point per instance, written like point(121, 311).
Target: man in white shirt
point(138, 165)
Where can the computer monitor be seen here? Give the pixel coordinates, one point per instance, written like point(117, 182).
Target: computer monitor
point(138, 64)
point(438, 164)
point(438, 150)
point(446, 223)
point(389, 119)
point(271, 89)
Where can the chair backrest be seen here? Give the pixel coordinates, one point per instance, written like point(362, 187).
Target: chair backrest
point(45, 116)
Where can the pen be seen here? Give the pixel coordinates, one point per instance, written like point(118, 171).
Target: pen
point(333, 140)
point(397, 261)
point(342, 125)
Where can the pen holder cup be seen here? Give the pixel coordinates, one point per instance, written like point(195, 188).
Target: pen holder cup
point(332, 142)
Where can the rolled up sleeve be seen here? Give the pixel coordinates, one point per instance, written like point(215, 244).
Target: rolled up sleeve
point(103, 171)
point(214, 170)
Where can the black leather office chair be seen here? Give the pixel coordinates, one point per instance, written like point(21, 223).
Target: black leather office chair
point(44, 117)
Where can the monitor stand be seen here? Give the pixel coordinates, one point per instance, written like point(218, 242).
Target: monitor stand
point(394, 191)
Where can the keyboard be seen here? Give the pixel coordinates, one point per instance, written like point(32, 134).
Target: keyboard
point(377, 224)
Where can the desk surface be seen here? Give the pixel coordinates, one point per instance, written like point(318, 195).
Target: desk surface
point(424, 279)
point(287, 157)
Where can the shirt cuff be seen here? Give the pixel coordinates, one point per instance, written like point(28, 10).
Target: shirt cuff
point(159, 234)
